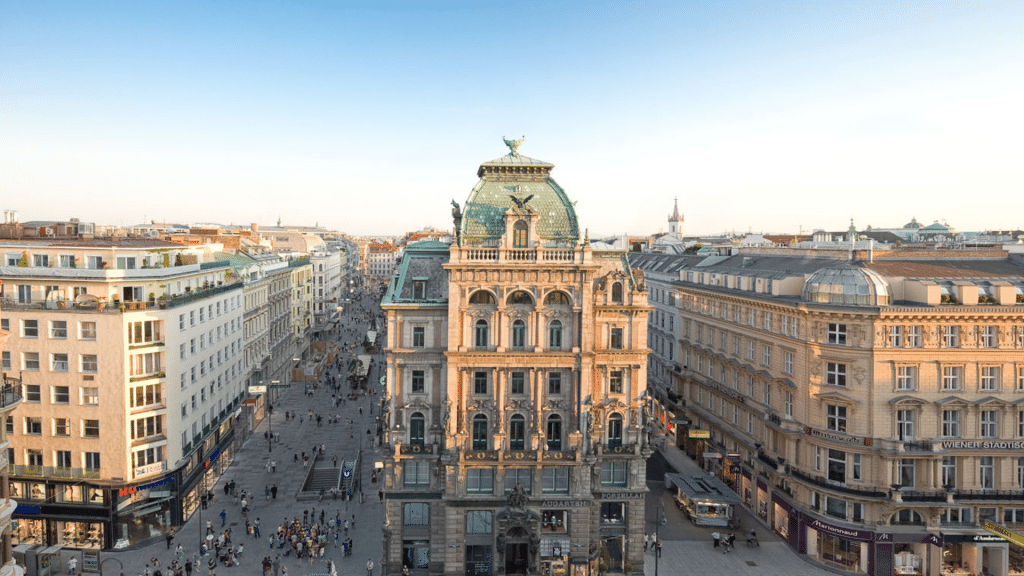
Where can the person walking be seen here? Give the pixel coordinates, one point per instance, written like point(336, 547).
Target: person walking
point(657, 546)
point(170, 539)
point(716, 537)
point(647, 541)
point(223, 518)
point(369, 567)
point(188, 567)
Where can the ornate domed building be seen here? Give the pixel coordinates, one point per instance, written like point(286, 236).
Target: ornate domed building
point(516, 370)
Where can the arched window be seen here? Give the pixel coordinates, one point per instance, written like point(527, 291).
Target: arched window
point(554, 432)
point(480, 336)
point(520, 297)
point(480, 432)
point(556, 298)
point(907, 516)
point(555, 335)
point(617, 292)
point(520, 234)
point(518, 334)
point(517, 433)
point(481, 297)
point(417, 425)
point(615, 430)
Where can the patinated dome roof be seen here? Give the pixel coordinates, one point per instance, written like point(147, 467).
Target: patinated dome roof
point(515, 175)
point(847, 284)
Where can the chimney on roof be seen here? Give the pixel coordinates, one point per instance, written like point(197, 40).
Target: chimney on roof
point(255, 228)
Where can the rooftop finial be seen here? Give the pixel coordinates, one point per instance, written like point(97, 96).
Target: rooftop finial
point(513, 145)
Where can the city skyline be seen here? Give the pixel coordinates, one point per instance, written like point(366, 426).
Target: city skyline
point(800, 116)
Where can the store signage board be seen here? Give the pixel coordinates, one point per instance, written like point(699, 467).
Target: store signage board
point(1006, 533)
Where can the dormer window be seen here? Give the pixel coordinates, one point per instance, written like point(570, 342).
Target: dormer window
point(520, 234)
point(419, 289)
point(617, 292)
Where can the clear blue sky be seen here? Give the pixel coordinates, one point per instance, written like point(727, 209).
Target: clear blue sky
point(370, 117)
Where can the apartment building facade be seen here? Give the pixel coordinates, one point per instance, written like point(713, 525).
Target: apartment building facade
point(131, 367)
point(10, 398)
point(868, 411)
point(515, 371)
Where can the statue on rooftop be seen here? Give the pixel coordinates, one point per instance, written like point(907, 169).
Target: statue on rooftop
point(513, 145)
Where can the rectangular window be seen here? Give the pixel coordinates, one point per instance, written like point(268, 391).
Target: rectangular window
point(835, 418)
point(788, 366)
point(144, 332)
point(41, 260)
point(986, 472)
point(30, 360)
point(479, 521)
point(62, 458)
point(419, 336)
point(835, 374)
point(613, 474)
point(789, 404)
point(856, 468)
point(59, 362)
point(615, 382)
point(907, 472)
point(419, 289)
point(837, 334)
point(521, 476)
point(951, 336)
point(817, 458)
point(91, 428)
point(951, 423)
point(61, 427)
point(59, 329)
point(416, 474)
point(616, 339)
point(480, 481)
point(30, 329)
point(951, 377)
point(896, 336)
point(556, 480)
point(5, 364)
point(766, 355)
point(914, 336)
point(554, 382)
point(33, 425)
point(949, 467)
point(32, 393)
point(61, 395)
point(767, 393)
point(480, 382)
point(90, 396)
point(1020, 378)
point(906, 377)
point(418, 379)
point(905, 425)
point(989, 378)
point(518, 383)
point(145, 364)
point(835, 507)
point(989, 424)
point(988, 337)
point(750, 350)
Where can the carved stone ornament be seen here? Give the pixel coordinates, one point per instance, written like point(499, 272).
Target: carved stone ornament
point(517, 498)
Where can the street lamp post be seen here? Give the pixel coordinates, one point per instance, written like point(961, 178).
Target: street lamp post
point(657, 533)
point(270, 426)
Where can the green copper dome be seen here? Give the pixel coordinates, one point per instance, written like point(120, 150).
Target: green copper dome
point(503, 183)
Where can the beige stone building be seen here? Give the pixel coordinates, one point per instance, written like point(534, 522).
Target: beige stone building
point(10, 398)
point(515, 372)
point(870, 410)
point(130, 357)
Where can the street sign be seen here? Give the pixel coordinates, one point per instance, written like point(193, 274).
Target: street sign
point(257, 389)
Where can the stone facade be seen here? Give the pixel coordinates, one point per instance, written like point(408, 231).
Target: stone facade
point(516, 371)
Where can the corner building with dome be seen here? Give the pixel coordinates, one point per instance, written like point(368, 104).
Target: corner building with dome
point(867, 406)
point(516, 381)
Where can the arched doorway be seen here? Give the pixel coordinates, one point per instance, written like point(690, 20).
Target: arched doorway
point(517, 551)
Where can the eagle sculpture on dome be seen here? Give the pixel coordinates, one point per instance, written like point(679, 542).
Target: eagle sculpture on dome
point(521, 202)
point(514, 145)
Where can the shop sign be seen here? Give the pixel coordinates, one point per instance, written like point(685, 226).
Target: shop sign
point(969, 445)
point(836, 436)
point(28, 510)
point(712, 455)
point(213, 457)
point(1003, 531)
point(698, 433)
point(563, 503)
point(849, 533)
point(728, 392)
point(90, 561)
point(971, 538)
point(913, 538)
point(257, 389)
point(621, 495)
point(132, 490)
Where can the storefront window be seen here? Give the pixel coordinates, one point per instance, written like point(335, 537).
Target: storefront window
point(80, 534)
point(68, 493)
point(27, 532)
point(840, 553)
